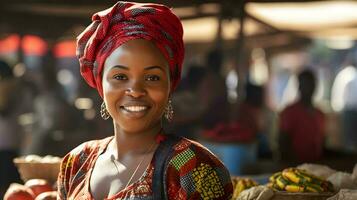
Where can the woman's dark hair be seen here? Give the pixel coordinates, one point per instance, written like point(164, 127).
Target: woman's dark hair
point(306, 75)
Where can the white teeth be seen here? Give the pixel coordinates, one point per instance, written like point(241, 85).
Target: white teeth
point(135, 108)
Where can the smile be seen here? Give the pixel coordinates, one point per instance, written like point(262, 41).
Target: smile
point(135, 108)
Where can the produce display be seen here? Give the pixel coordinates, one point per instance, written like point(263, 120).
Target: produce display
point(37, 167)
point(39, 186)
point(290, 183)
point(240, 184)
point(17, 191)
point(39, 159)
point(298, 180)
point(47, 196)
point(39, 174)
point(34, 189)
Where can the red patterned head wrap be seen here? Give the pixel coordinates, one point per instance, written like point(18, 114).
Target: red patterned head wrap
point(126, 21)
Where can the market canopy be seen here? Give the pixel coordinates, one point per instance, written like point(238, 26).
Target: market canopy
point(264, 22)
point(325, 19)
point(200, 19)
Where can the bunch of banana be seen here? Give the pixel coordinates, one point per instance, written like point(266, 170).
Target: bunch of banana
point(240, 184)
point(297, 180)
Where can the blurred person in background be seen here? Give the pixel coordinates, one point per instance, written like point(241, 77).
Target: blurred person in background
point(12, 104)
point(55, 119)
point(349, 110)
point(212, 91)
point(302, 125)
point(253, 115)
point(187, 105)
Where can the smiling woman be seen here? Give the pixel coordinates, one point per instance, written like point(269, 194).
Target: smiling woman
point(132, 54)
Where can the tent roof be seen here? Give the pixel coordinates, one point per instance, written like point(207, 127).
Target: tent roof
point(326, 19)
point(265, 18)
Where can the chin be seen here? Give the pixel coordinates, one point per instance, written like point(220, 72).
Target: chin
point(137, 126)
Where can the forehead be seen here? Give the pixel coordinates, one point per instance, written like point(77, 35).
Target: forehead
point(136, 53)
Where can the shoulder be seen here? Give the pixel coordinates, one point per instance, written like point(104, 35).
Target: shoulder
point(290, 109)
point(76, 163)
point(194, 172)
point(191, 156)
point(293, 106)
point(79, 155)
point(88, 146)
point(319, 112)
point(193, 149)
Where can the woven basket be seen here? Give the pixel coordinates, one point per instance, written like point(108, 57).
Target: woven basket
point(35, 169)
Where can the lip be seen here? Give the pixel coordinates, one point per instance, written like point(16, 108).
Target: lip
point(135, 104)
point(135, 114)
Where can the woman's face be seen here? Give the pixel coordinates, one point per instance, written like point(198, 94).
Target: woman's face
point(136, 85)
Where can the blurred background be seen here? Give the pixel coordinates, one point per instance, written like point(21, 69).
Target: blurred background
point(240, 74)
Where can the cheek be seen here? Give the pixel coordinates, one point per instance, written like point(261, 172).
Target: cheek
point(109, 99)
point(110, 94)
point(107, 91)
point(106, 85)
point(160, 98)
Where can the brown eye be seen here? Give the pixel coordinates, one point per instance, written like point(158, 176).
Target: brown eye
point(120, 77)
point(152, 78)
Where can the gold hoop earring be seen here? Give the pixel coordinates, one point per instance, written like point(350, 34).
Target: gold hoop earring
point(169, 111)
point(104, 112)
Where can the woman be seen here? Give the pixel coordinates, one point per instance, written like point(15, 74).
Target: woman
point(132, 54)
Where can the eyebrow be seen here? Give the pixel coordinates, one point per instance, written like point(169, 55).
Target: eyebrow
point(120, 67)
point(146, 68)
point(154, 67)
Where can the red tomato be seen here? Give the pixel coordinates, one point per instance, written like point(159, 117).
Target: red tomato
point(47, 196)
point(38, 186)
point(18, 192)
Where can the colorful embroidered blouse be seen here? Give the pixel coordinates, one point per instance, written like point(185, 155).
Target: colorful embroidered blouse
point(193, 173)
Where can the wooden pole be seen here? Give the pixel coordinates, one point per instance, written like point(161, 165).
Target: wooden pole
point(241, 60)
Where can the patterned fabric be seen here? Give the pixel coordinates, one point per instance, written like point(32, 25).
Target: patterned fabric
point(193, 173)
point(127, 21)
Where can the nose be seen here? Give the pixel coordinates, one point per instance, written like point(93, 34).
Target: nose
point(135, 90)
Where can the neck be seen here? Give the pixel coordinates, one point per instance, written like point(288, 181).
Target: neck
point(125, 143)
